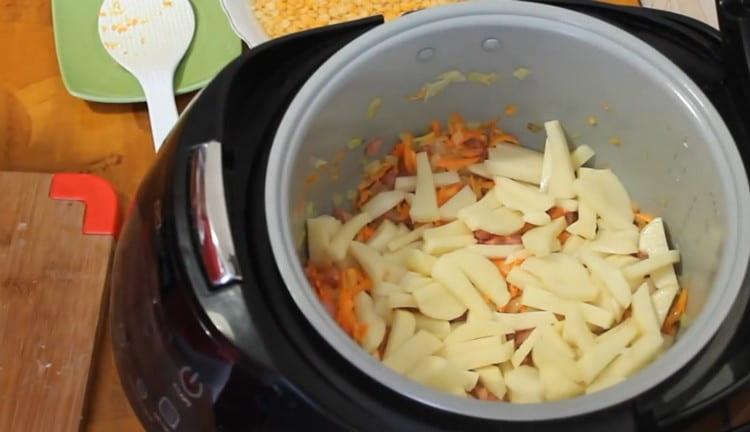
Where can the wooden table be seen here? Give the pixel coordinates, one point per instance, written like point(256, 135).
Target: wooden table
point(42, 128)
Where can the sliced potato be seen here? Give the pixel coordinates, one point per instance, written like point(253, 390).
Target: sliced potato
point(585, 226)
point(424, 207)
point(542, 241)
point(515, 162)
point(573, 245)
point(569, 205)
point(370, 260)
point(473, 358)
point(521, 278)
point(642, 352)
point(375, 325)
point(494, 251)
point(602, 191)
point(383, 202)
point(484, 275)
point(552, 339)
point(342, 239)
point(439, 328)
point(435, 301)
point(409, 183)
point(644, 314)
point(320, 230)
point(382, 307)
point(575, 330)
point(613, 278)
point(525, 320)
point(563, 275)
point(526, 347)
point(412, 350)
point(455, 228)
point(601, 383)
point(464, 198)
point(557, 386)
point(413, 281)
point(653, 241)
point(447, 272)
point(442, 245)
point(420, 262)
point(557, 167)
point(524, 385)
point(402, 240)
point(581, 155)
point(403, 326)
point(621, 261)
point(383, 289)
point(492, 379)
point(624, 242)
point(521, 197)
point(385, 232)
point(651, 264)
point(499, 221)
point(476, 330)
point(481, 170)
point(401, 300)
point(597, 316)
point(607, 347)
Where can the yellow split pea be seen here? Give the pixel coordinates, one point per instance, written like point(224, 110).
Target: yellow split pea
point(281, 17)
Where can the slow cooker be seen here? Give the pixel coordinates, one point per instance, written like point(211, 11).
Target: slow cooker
point(213, 324)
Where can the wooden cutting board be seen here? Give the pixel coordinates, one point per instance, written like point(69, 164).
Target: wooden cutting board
point(56, 241)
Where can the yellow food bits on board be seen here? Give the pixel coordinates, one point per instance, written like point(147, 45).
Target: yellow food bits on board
point(281, 17)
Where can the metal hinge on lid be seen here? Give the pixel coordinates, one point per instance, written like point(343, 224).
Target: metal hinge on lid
point(210, 218)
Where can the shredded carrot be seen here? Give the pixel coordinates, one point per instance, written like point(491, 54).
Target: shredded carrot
point(455, 163)
point(514, 291)
point(511, 110)
point(675, 313)
point(456, 123)
point(504, 267)
point(446, 192)
point(436, 129)
point(352, 282)
point(403, 211)
point(476, 185)
point(365, 233)
point(563, 237)
point(312, 179)
point(643, 219)
point(526, 227)
point(410, 156)
point(504, 138)
point(556, 212)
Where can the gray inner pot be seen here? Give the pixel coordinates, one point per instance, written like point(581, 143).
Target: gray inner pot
point(676, 157)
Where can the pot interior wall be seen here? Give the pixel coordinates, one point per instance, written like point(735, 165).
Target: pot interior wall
point(662, 156)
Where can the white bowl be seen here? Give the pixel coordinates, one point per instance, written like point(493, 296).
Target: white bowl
point(243, 21)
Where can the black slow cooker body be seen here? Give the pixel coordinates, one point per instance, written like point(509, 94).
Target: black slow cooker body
point(206, 337)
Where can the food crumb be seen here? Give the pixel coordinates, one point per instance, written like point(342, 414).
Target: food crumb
point(482, 78)
point(511, 110)
point(593, 121)
point(374, 107)
point(319, 163)
point(605, 106)
point(615, 141)
point(354, 143)
point(521, 73)
point(534, 127)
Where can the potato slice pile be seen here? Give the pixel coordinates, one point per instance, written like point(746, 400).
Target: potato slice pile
point(436, 308)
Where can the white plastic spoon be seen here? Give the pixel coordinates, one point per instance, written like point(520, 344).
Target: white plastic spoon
point(149, 39)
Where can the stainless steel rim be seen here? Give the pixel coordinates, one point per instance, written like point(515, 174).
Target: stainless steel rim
point(736, 249)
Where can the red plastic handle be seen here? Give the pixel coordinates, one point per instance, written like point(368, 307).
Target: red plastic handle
point(101, 216)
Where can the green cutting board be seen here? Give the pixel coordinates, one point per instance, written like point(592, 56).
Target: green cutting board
point(88, 71)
